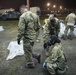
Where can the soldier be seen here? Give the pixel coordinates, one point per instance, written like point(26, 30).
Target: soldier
point(54, 25)
point(52, 28)
point(55, 64)
point(69, 21)
point(27, 29)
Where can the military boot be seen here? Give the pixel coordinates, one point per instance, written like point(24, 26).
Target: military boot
point(37, 56)
point(30, 64)
point(71, 37)
point(64, 37)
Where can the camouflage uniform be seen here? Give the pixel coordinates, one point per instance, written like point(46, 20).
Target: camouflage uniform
point(50, 29)
point(70, 21)
point(56, 60)
point(37, 33)
point(55, 27)
point(28, 28)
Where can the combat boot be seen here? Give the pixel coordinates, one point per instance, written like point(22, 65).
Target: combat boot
point(37, 56)
point(71, 37)
point(30, 65)
point(64, 37)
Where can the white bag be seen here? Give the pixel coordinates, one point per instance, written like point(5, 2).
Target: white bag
point(1, 28)
point(15, 49)
point(62, 29)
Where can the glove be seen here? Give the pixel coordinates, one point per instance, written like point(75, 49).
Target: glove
point(44, 65)
point(45, 45)
point(18, 41)
point(49, 43)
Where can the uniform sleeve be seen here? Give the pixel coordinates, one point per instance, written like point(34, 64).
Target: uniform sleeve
point(38, 23)
point(21, 28)
point(46, 34)
point(46, 31)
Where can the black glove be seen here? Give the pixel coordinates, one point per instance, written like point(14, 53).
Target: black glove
point(45, 45)
point(49, 43)
point(18, 41)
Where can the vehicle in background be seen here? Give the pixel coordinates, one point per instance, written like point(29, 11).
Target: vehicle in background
point(3, 11)
point(10, 15)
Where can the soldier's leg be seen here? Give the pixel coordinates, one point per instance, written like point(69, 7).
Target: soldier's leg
point(65, 33)
point(52, 68)
point(28, 52)
point(61, 72)
point(71, 32)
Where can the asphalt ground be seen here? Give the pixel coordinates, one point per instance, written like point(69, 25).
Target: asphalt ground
point(16, 66)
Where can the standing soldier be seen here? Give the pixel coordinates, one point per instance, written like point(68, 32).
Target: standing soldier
point(27, 28)
point(70, 21)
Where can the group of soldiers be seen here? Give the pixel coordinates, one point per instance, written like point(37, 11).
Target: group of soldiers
point(28, 30)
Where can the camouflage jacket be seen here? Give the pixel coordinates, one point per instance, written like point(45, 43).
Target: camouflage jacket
point(28, 26)
point(50, 30)
point(56, 57)
point(70, 19)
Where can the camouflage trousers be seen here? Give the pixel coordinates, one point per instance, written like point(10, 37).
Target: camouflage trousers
point(37, 34)
point(71, 32)
point(28, 46)
point(54, 70)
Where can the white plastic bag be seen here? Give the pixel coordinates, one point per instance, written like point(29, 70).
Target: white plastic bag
point(1, 28)
point(15, 50)
point(62, 29)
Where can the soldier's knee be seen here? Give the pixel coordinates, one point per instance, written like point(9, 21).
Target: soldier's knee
point(61, 72)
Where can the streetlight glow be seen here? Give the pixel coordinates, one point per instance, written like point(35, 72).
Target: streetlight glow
point(65, 8)
point(61, 7)
point(54, 6)
point(48, 4)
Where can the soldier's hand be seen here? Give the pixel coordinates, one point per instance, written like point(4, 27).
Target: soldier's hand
point(18, 41)
point(45, 45)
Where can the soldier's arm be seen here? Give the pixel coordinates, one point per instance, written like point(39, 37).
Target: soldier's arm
point(46, 34)
point(21, 28)
point(39, 25)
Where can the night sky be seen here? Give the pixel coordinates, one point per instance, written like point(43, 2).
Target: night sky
point(41, 3)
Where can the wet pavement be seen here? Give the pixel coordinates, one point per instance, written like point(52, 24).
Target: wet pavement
point(16, 66)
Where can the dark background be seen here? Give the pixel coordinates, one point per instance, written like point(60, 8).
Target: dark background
point(70, 4)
